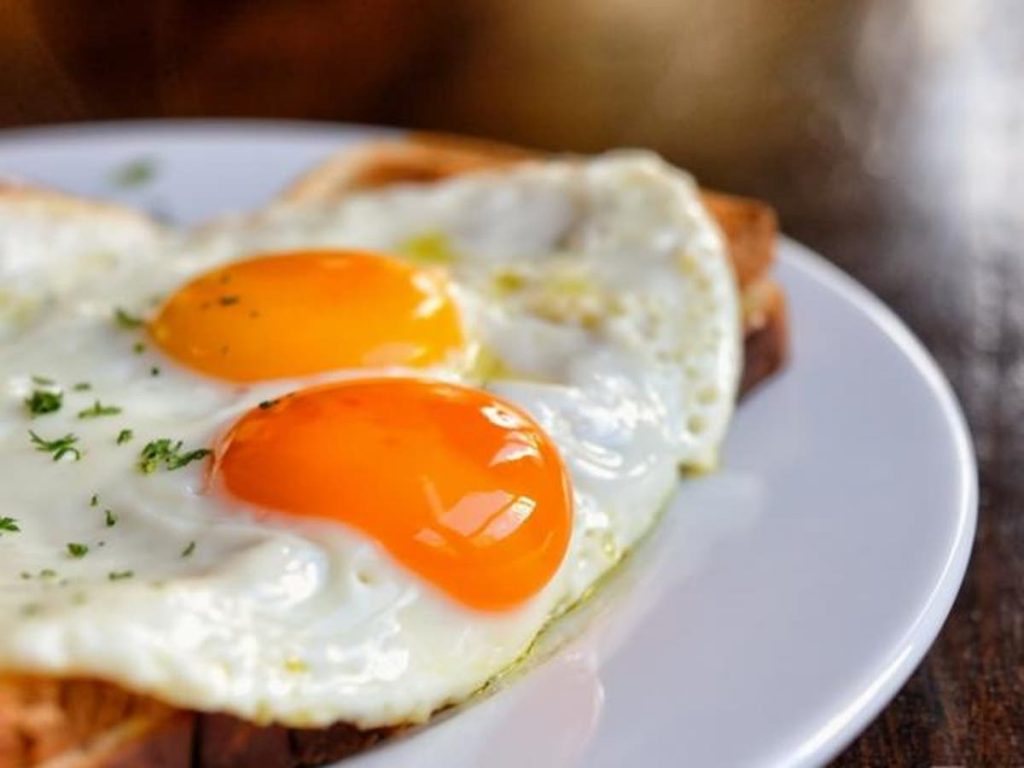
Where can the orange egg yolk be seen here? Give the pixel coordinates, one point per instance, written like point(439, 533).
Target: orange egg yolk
point(298, 313)
point(461, 487)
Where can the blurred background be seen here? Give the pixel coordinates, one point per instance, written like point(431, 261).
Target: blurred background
point(742, 91)
point(888, 134)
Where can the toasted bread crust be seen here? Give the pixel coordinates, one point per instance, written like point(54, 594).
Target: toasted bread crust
point(43, 720)
point(766, 340)
point(79, 723)
point(421, 158)
point(76, 723)
point(750, 228)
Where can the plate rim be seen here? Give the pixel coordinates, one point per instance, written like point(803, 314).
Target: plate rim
point(919, 638)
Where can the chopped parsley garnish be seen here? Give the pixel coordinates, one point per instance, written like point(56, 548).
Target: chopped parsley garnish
point(119, 575)
point(77, 550)
point(227, 301)
point(509, 282)
point(59, 447)
point(98, 409)
point(187, 551)
point(429, 248)
point(124, 436)
point(265, 404)
point(134, 173)
point(94, 500)
point(296, 666)
point(125, 319)
point(110, 518)
point(43, 381)
point(47, 573)
point(82, 386)
point(8, 525)
point(31, 609)
point(44, 401)
point(154, 371)
point(170, 455)
point(138, 347)
point(25, 575)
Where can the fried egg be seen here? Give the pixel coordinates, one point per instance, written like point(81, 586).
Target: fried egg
point(344, 461)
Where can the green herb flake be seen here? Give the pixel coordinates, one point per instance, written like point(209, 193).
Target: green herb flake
point(109, 518)
point(135, 173)
point(98, 409)
point(120, 575)
point(154, 371)
point(47, 573)
point(138, 347)
point(25, 575)
point(31, 609)
point(43, 401)
point(429, 248)
point(187, 551)
point(509, 282)
point(170, 455)
point(82, 386)
point(94, 500)
point(267, 404)
point(59, 447)
point(227, 301)
point(125, 319)
point(76, 550)
point(8, 525)
point(43, 381)
point(124, 436)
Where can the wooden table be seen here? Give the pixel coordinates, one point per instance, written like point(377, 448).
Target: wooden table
point(889, 134)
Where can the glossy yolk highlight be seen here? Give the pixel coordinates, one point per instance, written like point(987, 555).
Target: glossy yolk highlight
point(299, 313)
point(462, 488)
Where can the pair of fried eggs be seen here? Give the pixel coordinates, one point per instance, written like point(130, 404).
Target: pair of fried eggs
point(436, 415)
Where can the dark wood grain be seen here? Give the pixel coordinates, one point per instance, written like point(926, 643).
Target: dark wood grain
point(888, 133)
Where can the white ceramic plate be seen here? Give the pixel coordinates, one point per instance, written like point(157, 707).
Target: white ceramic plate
point(782, 602)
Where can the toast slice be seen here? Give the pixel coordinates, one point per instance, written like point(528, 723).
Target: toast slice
point(83, 723)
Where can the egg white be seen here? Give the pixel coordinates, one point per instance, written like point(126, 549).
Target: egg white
point(600, 297)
